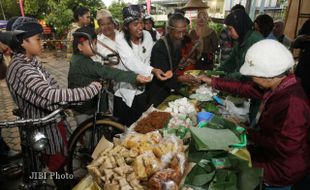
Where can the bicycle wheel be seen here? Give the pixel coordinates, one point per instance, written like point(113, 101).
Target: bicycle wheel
point(79, 155)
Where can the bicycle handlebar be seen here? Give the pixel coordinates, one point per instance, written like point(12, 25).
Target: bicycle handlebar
point(47, 119)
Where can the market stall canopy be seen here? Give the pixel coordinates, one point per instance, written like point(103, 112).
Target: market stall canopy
point(195, 4)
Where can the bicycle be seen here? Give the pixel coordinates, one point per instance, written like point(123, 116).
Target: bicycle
point(32, 144)
point(79, 149)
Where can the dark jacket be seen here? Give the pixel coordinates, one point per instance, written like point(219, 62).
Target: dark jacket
point(280, 142)
point(236, 59)
point(83, 70)
point(158, 90)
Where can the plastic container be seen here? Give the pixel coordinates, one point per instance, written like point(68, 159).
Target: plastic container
point(204, 116)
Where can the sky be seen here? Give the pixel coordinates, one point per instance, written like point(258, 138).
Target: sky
point(108, 2)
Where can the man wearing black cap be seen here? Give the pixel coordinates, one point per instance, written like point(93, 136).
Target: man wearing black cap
point(134, 47)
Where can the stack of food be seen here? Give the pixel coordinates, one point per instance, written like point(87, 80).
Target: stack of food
point(141, 161)
point(154, 121)
point(183, 112)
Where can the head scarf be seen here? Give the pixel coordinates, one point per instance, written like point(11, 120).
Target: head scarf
point(202, 31)
point(103, 13)
point(241, 22)
point(131, 13)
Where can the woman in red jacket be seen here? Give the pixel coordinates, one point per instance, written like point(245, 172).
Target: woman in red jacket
point(279, 140)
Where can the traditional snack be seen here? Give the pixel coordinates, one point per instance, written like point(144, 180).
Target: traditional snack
point(158, 180)
point(146, 165)
point(154, 121)
point(111, 170)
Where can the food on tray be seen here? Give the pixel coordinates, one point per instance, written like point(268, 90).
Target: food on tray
point(140, 162)
point(111, 170)
point(181, 106)
point(155, 120)
point(158, 180)
point(142, 142)
point(146, 165)
point(169, 144)
point(194, 73)
point(203, 93)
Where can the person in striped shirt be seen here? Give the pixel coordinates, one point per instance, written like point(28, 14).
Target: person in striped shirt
point(36, 93)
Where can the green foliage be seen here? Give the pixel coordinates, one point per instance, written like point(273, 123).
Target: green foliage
point(60, 23)
point(116, 9)
point(35, 8)
point(10, 8)
point(216, 27)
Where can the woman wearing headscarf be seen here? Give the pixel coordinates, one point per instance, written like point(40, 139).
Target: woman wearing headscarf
point(207, 38)
point(240, 28)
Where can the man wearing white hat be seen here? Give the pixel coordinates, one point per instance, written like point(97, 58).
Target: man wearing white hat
point(280, 138)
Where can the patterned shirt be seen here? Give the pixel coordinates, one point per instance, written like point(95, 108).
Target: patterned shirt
point(37, 94)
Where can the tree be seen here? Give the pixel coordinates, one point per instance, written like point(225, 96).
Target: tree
point(63, 22)
point(35, 8)
point(10, 8)
point(116, 9)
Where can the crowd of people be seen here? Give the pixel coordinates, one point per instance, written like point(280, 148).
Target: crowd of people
point(255, 58)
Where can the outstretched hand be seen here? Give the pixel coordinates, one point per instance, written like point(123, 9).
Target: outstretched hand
point(161, 75)
point(205, 79)
point(189, 79)
point(143, 80)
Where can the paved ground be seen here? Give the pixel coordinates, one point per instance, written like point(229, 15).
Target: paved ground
point(57, 64)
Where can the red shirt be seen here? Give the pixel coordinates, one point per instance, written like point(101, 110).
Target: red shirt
point(280, 139)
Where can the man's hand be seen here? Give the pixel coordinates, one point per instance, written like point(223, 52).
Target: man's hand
point(189, 79)
point(161, 75)
point(205, 79)
point(143, 80)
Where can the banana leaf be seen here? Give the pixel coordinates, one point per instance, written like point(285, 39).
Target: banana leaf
point(236, 175)
point(224, 180)
point(210, 73)
point(209, 107)
point(213, 139)
point(201, 174)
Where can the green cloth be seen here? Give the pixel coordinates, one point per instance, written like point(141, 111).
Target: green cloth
point(83, 70)
point(236, 59)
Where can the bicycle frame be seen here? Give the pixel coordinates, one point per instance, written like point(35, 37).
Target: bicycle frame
point(30, 158)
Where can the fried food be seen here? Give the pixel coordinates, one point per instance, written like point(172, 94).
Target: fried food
point(154, 121)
